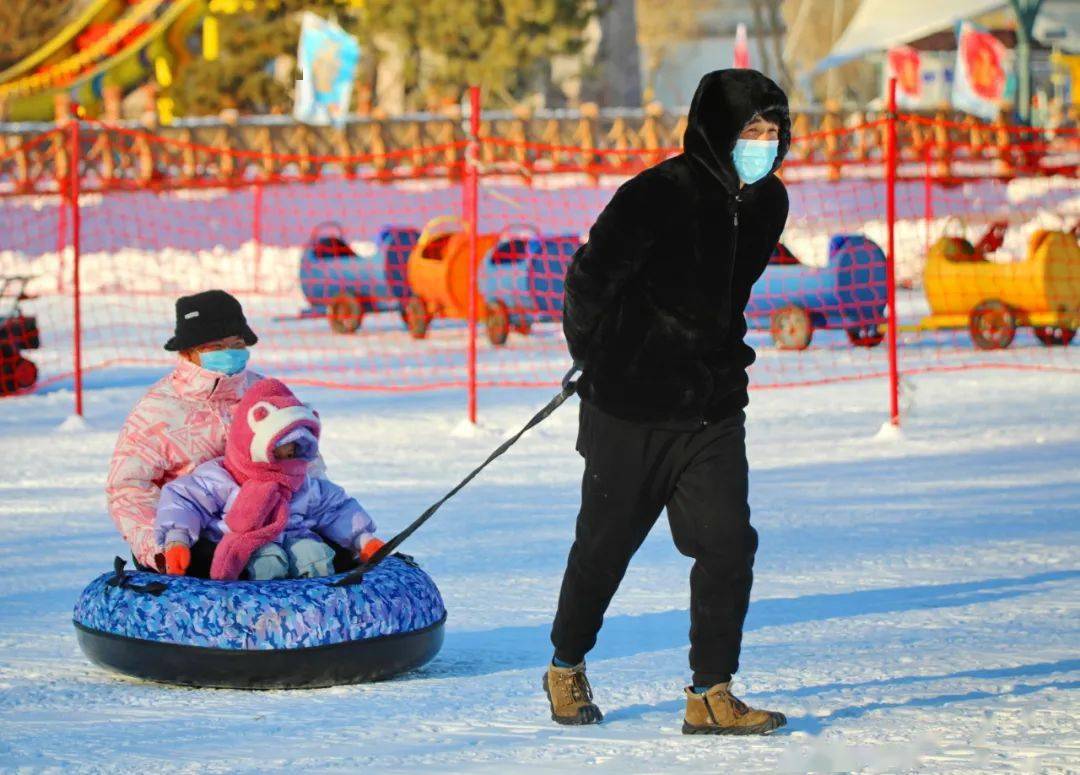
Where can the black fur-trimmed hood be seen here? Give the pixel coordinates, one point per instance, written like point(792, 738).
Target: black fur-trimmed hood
point(724, 103)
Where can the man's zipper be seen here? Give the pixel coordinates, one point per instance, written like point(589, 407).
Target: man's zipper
point(735, 236)
point(734, 249)
point(731, 274)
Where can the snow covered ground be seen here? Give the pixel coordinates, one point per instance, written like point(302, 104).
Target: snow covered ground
point(916, 605)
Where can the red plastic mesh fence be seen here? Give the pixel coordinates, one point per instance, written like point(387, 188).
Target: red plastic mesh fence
point(817, 315)
point(179, 230)
point(35, 335)
point(355, 271)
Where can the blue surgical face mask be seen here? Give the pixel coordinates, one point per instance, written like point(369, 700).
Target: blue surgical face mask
point(224, 361)
point(754, 159)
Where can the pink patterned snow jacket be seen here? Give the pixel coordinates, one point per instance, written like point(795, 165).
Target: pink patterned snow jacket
point(179, 424)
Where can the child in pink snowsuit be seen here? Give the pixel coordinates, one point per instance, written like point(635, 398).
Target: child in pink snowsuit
point(258, 504)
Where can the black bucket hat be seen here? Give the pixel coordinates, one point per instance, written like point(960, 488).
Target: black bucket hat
point(208, 316)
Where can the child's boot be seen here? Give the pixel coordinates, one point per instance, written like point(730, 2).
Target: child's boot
point(570, 695)
point(719, 712)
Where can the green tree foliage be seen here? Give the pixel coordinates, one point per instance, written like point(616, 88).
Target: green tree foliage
point(504, 45)
point(245, 76)
point(26, 25)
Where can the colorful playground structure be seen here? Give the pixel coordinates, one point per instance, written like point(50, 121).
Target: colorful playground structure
point(111, 43)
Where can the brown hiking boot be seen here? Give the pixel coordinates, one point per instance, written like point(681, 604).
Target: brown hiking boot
point(570, 695)
point(719, 712)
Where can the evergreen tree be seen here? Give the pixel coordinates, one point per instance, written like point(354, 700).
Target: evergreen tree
point(500, 44)
point(505, 43)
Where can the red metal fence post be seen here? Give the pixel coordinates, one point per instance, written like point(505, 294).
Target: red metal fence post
point(61, 242)
point(890, 215)
point(256, 233)
point(472, 208)
point(928, 198)
point(73, 199)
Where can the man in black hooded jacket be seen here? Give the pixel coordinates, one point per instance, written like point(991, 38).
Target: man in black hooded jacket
point(654, 316)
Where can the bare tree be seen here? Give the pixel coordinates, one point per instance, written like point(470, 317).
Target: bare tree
point(760, 34)
point(616, 80)
point(776, 24)
point(662, 25)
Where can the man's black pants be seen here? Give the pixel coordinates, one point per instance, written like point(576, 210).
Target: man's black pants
point(632, 471)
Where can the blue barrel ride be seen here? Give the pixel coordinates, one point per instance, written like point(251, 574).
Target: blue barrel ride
point(522, 280)
point(344, 286)
point(791, 300)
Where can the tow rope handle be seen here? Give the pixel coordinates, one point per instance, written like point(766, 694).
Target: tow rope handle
point(121, 579)
point(569, 387)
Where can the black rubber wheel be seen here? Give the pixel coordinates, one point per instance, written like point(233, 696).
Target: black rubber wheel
point(26, 374)
point(346, 314)
point(992, 325)
point(1055, 336)
point(498, 323)
point(791, 328)
point(416, 318)
point(352, 662)
point(865, 336)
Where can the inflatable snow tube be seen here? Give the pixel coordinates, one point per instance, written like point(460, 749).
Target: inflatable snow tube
point(288, 634)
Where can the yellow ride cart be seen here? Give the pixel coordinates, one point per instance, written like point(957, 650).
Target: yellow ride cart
point(993, 299)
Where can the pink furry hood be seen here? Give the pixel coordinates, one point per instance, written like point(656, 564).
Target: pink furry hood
point(268, 415)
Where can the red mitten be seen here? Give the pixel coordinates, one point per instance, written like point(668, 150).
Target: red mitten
point(177, 559)
point(367, 551)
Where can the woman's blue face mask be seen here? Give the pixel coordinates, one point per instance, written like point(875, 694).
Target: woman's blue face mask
point(754, 159)
point(224, 361)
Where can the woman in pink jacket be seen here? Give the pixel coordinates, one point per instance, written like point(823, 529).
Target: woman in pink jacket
point(183, 420)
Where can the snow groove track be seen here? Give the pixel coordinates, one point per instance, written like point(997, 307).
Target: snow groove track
point(916, 602)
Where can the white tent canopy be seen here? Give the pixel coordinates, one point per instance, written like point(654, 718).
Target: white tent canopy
point(1058, 24)
point(879, 25)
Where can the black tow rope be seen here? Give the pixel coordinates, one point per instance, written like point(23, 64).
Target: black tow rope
point(121, 579)
point(569, 386)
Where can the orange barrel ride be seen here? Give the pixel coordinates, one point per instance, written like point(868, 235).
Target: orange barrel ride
point(438, 274)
